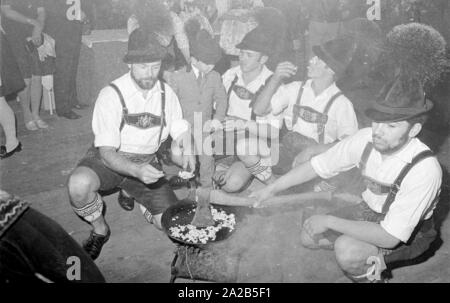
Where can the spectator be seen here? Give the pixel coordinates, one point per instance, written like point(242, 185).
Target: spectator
point(35, 248)
point(23, 24)
point(65, 25)
point(159, 18)
point(237, 21)
point(11, 81)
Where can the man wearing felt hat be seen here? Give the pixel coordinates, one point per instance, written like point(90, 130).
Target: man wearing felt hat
point(132, 117)
point(316, 112)
point(394, 221)
point(243, 128)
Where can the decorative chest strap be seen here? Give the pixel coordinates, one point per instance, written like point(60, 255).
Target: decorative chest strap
point(393, 189)
point(311, 115)
point(143, 120)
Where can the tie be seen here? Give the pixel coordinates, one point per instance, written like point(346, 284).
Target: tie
point(200, 79)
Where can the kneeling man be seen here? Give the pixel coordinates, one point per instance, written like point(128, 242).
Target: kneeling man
point(132, 116)
point(394, 221)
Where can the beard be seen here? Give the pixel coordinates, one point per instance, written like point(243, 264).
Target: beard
point(144, 83)
point(385, 148)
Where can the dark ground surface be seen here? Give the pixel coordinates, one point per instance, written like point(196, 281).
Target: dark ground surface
point(137, 252)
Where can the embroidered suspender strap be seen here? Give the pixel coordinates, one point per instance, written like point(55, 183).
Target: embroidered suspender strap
point(321, 126)
point(229, 92)
point(163, 111)
point(396, 186)
point(296, 109)
point(365, 156)
point(124, 107)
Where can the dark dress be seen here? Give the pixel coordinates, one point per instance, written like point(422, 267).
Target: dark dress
point(12, 80)
point(17, 34)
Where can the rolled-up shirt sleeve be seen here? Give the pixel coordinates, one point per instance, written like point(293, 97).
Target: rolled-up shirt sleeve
point(414, 199)
point(343, 156)
point(284, 96)
point(106, 119)
point(175, 122)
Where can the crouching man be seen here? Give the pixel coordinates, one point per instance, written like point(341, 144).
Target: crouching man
point(132, 116)
point(394, 222)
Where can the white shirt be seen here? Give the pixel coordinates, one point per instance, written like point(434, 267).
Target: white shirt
point(240, 108)
point(107, 117)
point(418, 191)
point(341, 122)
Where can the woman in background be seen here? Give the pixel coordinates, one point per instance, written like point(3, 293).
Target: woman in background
point(11, 81)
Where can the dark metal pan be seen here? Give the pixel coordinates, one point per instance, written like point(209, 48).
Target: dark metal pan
point(183, 213)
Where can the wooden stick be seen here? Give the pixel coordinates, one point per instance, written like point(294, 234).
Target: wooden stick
point(222, 198)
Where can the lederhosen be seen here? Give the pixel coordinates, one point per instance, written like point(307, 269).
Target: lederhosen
point(143, 121)
point(139, 120)
point(243, 94)
point(155, 197)
point(292, 143)
point(424, 232)
point(311, 115)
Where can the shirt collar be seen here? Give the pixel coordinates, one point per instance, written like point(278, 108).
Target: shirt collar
point(407, 153)
point(131, 89)
point(195, 70)
point(258, 81)
point(327, 93)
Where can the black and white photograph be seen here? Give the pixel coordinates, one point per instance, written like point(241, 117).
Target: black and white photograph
point(224, 147)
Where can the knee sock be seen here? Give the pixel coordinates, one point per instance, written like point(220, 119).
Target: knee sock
point(262, 172)
point(147, 214)
point(92, 211)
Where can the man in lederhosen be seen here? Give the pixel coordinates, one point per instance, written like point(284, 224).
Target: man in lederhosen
point(316, 112)
point(394, 221)
point(132, 116)
point(243, 128)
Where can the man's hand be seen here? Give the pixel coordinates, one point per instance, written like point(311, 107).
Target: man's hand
point(148, 174)
point(189, 162)
point(262, 195)
point(36, 35)
point(284, 70)
point(316, 225)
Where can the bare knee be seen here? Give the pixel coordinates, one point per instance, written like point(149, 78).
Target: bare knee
point(235, 183)
point(82, 182)
point(351, 254)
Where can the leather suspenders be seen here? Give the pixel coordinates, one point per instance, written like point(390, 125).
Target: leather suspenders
point(395, 187)
point(254, 96)
point(125, 109)
point(299, 110)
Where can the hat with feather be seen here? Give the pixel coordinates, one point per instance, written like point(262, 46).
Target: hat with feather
point(416, 53)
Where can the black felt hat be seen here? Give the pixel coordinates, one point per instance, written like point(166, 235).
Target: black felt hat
point(337, 53)
point(143, 47)
point(400, 100)
point(205, 49)
point(202, 46)
point(257, 40)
